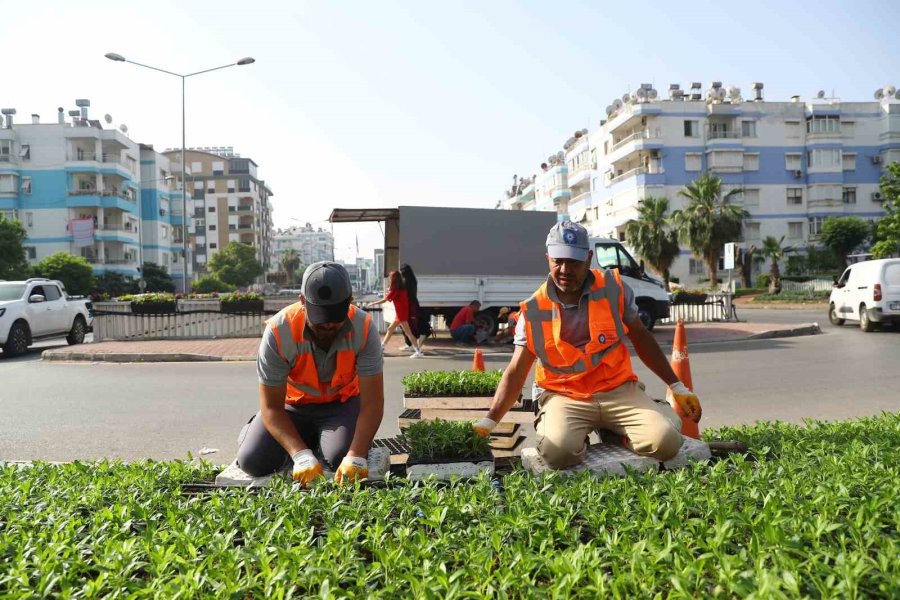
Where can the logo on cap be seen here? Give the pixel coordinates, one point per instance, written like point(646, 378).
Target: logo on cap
point(602, 338)
point(569, 236)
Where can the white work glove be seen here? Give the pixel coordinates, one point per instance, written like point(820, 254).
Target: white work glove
point(306, 467)
point(687, 401)
point(351, 469)
point(484, 427)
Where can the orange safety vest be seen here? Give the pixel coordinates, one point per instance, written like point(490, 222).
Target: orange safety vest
point(303, 384)
point(604, 363)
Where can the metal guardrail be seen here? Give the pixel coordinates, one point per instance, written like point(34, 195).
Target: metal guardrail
point(813, 285)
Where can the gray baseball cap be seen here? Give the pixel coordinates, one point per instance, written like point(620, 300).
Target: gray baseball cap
point(568, 240)
point(327, 291)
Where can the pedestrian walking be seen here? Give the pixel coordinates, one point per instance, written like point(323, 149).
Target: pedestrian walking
point(398, 294)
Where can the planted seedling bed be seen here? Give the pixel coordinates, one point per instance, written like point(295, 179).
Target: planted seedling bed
point(445, 449)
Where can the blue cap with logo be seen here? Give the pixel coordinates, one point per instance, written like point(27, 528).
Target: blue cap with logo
point(568, 240)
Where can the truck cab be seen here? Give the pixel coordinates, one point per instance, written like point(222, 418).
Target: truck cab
point(649, 292)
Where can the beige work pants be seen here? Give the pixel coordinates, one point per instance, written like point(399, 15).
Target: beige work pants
point(653, 428)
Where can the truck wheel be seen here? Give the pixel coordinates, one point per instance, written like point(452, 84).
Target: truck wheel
point(865, 323)
point(17, 342)
point(646, 316)
point(76, 334)
point(485, 325)
point(833, 316)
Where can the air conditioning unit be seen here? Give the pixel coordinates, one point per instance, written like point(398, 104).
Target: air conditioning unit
point(876, 160)
point(798, 174)
point(876, 197)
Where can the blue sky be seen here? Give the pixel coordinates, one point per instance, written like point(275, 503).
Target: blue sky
point(378, 104)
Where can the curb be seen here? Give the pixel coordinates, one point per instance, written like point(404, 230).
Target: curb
point(811, 329)
point(122, 357)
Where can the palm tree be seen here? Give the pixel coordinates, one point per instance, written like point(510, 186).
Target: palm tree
point(772, 248)
point(290, 262)
point(709, 221)
point(652, 238)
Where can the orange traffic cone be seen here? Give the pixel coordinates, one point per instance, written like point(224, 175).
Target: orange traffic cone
point(478, 360)
point(681, 364)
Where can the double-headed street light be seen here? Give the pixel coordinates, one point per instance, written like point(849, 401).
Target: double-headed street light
point(244, 61)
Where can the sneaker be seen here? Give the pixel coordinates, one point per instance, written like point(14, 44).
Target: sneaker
point(408, 348)
point(417, 354)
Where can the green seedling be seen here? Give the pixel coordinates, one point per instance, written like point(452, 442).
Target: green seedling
point(443, 441)
point(451, 383)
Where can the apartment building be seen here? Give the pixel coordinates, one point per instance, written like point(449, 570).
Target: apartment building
point(797, 161)
point(229, 202)
point(311, 245)
point(75, 186)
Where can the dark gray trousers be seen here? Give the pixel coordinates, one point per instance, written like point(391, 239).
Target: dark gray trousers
point(326, 428)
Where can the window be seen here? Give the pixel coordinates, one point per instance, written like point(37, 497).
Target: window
point(25, 152)
point(29, 220)
point(795, 230)
point(230, 186)
point(849, 195)
point(792, 129)
point(211, 190)
point(165, 232)
point(748, 129)
point(693, 162)
point(199, 222)
point(212, 227)
point(848, 127)
point(26, 185)
point(51, 292)
point(211, 209)
point(751, 230)
point(244, 185)
point(726, 160)
point(199, 194)
point(5, 150)
point(849, 162)
point(30, 252)
point(795, 196)
point(7, 183)
point(824, 158)
point(749, 197)
point(196, 167)
point(696, 267)
point(751, 162)
point(691, 129)
point(213, 245)
point(198, 185)
point(815, 226)
point(239, 166)
point(823, 124)
point(792, 162)
point(218, 168)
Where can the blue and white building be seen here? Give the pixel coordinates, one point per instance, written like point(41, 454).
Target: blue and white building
point(797, 161)
point(77, 187)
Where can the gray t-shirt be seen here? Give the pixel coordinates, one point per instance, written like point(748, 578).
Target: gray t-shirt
point(273, 370)
point(574, 327)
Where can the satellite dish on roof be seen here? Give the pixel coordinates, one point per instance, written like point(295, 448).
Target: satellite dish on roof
point(609, 110)
point(641, 93)
point(652, 94)
point(879, 94)
point(584, 131)
point(617, 104)
point(820, 94)
point(123, 128)
point(561, 155)
point(889, 90)
point(108, 118)
point(626, 97)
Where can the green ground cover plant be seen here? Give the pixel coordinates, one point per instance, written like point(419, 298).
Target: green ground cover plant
point(784, 296)
point(451, 383)
point(444, 441)
point(811, 512)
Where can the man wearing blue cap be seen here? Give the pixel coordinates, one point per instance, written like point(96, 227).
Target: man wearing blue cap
point(321, 386)
point(575, 326)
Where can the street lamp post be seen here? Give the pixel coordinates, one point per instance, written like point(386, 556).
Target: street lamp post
point(184, 234)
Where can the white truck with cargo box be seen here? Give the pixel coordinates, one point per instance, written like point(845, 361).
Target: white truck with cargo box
point(868, 292)
point(39, 309)
point(494, 256)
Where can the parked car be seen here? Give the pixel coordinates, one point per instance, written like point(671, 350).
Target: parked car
point(868, 292)
point(39, 309)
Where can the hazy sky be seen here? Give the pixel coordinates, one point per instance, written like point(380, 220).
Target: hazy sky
point(381, 103)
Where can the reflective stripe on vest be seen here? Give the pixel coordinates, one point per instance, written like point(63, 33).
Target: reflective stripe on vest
point(601, 365)
point(303, 385)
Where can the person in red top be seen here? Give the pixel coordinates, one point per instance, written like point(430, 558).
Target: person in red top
point(462, 329)
point(398, 295)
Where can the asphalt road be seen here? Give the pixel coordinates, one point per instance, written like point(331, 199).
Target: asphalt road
point(57, 411)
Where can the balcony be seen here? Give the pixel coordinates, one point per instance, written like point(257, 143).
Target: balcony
point(245, 226)
point(722, 135)
point(643, 134)
point(632, 173)
point(103, 194)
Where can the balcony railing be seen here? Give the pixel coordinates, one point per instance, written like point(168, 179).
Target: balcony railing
point(104, 193)
point(723, 135)
point(245, 226)
point(627, 174)
point(644, 134)
point(118, 227)
point(120, 261)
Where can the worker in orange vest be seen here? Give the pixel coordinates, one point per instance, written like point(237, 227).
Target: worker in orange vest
point(575, 325)
point(505, 315)
point(321, 384)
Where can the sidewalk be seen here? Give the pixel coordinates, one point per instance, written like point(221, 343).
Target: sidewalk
point(440, 346)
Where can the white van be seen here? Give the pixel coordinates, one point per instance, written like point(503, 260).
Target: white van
point(868, 292)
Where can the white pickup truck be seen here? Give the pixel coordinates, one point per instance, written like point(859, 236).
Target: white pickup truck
point(39, 309)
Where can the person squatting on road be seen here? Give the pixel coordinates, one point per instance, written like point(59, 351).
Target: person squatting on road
point(575, 325)
point(321, 384)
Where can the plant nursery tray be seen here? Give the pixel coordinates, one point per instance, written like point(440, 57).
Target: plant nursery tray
point(503, 429)
point(447, 470)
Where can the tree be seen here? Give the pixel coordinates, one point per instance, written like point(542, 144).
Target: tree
point(709, 221)
point(115, 284)
point(236, 264)
point(745, 259)
point(74, 272)
point(13, 263)
point(887, 229)
point(290, 262)
point(652, 238)
point(157, 278)
point(842, 234)
point(210, 283)
point(772, 249)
